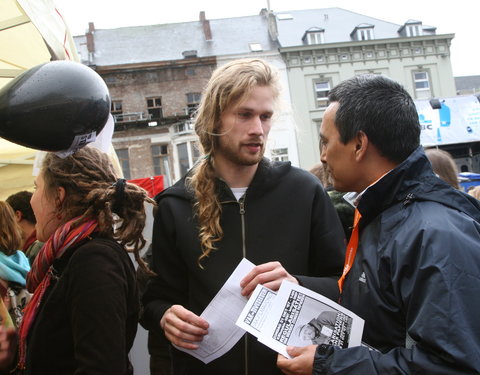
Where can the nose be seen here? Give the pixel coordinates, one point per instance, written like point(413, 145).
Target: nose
point(256, 126)
point(323, 155)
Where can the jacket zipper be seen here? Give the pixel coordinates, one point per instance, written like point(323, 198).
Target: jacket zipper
point(241, 203)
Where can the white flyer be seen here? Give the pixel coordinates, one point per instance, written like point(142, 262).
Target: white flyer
point(221, 315)
point(297, 316)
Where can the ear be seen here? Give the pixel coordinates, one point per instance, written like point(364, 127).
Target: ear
point(61, 194)
point(361, 145)
point(18, 216)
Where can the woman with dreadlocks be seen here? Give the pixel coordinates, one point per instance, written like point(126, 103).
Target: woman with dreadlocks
point(82, 318)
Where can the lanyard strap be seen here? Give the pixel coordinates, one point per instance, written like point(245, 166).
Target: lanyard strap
point(351, 250)
point(353, 242)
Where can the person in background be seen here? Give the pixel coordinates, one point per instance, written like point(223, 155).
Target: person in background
point(13, 269)
point(20, 203)
point(237, 204)
point(83, 316)
point(344, 209)
point(412, 268)
point(475, 192)
point(443, 166)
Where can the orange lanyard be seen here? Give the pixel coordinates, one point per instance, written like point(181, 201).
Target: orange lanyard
point(353, 243)
point(351, 250)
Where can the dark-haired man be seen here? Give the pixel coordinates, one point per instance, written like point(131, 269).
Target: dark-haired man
point(412, 267)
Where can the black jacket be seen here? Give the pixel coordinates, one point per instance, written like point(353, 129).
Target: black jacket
point(287, 217)
point(415, 279)
point(88, 318)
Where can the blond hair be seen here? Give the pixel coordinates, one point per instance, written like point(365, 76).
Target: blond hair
point(10, 231)
point(230, 84)
point(89, 180)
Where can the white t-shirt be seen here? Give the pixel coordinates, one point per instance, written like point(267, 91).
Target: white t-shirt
point(239, 192)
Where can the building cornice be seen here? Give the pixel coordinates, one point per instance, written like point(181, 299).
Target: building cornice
point(368, 43)
point(184, 63)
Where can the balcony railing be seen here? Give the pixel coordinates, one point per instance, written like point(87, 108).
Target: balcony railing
point(131, 117)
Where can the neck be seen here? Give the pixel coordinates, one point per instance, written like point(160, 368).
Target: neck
point(236, 176)
point(27, 228)
point(376, 172)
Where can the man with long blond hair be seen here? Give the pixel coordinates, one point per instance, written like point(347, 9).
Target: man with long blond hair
point(237, 204)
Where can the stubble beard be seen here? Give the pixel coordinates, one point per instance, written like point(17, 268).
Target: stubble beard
point(237, 158)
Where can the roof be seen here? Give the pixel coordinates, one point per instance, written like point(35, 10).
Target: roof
point(141, 44)
point(467, 83)
point(338, 24)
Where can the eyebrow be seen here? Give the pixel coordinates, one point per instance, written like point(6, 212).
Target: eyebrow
point(249, 109)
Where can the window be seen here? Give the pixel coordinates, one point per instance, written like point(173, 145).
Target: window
point(322, 88)
point(160, 162)
point(160, 159)
point(183, 127)
point(280, 154)
point(255, 47)
point(422, 84)
point(124, 161)
point(414, 30)
point(188, 154)
point(314, 37)
point(116, 110)
point(365, 34)
point(183, 158)
point(154, 107)
point(193, 99)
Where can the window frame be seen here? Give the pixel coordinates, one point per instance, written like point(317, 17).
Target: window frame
point(318, 99)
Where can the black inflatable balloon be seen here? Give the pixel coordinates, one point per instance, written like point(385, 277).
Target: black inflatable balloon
point(54, 106)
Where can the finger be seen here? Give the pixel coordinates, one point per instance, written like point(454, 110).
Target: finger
point(188, 316)
point(283, 364)
point(271, 279)
point(265, 267)
point(294, 351)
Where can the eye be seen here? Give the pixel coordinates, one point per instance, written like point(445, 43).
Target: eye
point(244, 115)
point(266, 117)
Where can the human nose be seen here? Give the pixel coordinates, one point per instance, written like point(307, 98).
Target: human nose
point(323, 155)
point(256, 126)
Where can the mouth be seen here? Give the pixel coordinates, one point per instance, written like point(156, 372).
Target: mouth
point(254, 147)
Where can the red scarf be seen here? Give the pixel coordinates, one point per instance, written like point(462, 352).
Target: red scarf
point(40, 276)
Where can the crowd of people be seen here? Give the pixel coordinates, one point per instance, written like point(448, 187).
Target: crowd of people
point(380, 226)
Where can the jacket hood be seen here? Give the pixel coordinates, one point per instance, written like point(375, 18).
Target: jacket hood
point(14, 267)
point(267, 175)
point(414, 180)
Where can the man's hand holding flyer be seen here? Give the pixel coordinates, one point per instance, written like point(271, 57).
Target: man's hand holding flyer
point(296, 316)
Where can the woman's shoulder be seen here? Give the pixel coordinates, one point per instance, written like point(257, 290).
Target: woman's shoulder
point(100, 249)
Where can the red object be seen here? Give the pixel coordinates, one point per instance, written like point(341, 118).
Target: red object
point(153, 185)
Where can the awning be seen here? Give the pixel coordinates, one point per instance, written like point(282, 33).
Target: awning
point(32, 32)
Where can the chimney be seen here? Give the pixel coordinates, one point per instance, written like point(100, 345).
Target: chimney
point(90, 41)
point(207, 31)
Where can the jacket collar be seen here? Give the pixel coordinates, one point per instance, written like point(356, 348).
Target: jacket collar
point(414, 180)
point(267, 175)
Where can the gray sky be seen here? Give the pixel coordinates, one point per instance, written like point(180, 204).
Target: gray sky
point(454, 17)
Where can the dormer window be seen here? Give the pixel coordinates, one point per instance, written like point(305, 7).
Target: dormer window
point(314, 35)
point(363, 31)
point(411, 28)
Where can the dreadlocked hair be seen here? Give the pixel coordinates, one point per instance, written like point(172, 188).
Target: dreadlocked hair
point(89, 180)
point(230, 84)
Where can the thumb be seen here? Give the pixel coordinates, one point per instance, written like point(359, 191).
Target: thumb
point(294, 351)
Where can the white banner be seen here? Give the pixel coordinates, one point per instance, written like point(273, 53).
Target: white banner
point(457, 121)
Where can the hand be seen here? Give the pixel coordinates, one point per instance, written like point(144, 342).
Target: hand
point(182, 327)
point(269, 275)
point(301, 362)
point(8, 347)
